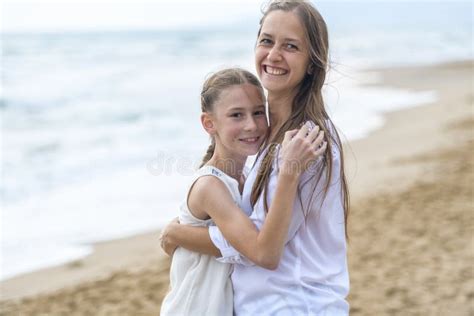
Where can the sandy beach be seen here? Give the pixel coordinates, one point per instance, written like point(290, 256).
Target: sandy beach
point(411, 226)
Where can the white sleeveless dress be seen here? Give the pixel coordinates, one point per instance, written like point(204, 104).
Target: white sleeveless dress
point(199, 284)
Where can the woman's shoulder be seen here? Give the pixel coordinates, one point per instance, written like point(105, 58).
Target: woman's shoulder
point(334, 140)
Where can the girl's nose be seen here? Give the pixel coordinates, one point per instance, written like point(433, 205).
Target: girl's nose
point(251, 125)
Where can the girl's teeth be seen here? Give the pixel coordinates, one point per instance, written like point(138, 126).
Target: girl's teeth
point(250, 140)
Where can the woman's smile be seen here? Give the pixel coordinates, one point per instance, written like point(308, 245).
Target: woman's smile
point(274, 71)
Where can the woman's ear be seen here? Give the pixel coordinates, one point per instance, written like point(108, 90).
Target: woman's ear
point(208, 123)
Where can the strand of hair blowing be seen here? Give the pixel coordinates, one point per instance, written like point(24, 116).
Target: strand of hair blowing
point(308, 104)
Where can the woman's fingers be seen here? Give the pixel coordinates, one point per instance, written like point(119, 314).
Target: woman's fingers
point(302, 147)
point(318, 139)
point(168, 247)
point(165, 243)
point(303, 132)
point(288, 137)
point(319, 151)
point(313, 134)
point(290, 134)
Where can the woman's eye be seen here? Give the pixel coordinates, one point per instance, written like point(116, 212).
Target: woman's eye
point(265, 41)
point(291, 46)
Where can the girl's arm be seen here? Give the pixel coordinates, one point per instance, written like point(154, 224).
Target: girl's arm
point(265, 247)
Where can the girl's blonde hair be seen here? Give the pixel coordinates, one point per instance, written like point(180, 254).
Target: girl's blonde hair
point(215, 85)
point(308, 103)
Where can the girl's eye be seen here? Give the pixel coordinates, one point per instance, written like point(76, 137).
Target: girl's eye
point(236, 115)
point(259, 113)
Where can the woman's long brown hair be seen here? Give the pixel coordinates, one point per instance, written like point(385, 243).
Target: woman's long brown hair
point(308, 105)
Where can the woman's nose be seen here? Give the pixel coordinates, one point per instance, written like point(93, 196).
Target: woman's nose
point(274, 54)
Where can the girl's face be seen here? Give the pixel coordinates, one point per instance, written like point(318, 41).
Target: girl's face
point(281, 54)
point(239, 123)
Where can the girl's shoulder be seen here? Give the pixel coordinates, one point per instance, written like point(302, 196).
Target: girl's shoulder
point(204, 186)
point(209, 180)
point(214, 173)
point(201, 193)
point(206, 176)
point(209, 192)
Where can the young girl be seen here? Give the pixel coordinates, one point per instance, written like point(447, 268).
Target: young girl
point(233, 115)
point(312, 278)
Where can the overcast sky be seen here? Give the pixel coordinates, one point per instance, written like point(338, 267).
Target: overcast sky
point(60, 15)
point(119, 14)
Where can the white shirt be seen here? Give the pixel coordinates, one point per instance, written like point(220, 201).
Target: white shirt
point(312, 277)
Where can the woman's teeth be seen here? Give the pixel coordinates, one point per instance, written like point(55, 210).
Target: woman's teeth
point(275, 71)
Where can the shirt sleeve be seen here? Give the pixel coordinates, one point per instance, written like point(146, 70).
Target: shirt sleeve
point(229, 254)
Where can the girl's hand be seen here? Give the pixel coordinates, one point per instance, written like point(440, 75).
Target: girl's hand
point(300, 148)
point(165, 242)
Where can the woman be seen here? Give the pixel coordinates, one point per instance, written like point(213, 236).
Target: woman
point(291, 58)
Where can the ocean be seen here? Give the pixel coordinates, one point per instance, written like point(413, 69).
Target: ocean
point(100, 130)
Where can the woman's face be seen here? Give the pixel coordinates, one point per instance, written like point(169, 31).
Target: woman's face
point(282, 53)
point(239, 120)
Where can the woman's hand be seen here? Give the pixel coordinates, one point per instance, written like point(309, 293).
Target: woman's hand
point(300, 148)
point(165, 242)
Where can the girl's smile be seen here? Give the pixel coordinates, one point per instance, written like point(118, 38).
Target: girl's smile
point(250, 141)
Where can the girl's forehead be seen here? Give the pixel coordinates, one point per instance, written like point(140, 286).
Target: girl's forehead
point(243, 95)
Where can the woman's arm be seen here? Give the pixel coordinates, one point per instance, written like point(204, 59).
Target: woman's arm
point(193, 238)
point(265, 247)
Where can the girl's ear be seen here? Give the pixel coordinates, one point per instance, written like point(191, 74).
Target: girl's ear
point(208, 123)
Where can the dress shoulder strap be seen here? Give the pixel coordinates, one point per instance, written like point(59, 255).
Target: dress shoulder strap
point(231, 184)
